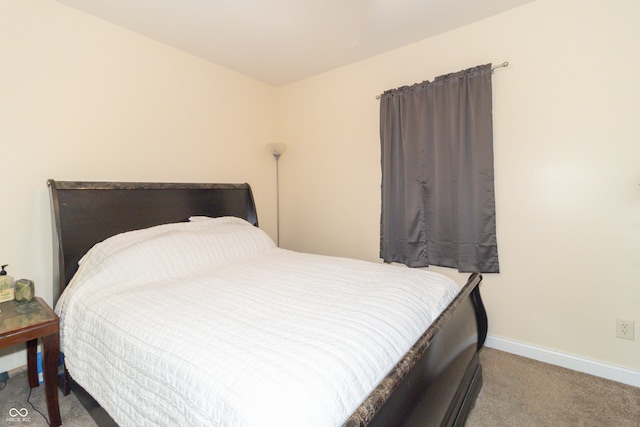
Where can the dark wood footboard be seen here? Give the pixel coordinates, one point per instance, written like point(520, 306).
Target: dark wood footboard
point(437, 382)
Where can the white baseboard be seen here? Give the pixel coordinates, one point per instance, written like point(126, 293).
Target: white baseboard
point(581, 364)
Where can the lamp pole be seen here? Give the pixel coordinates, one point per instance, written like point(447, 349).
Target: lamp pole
point(277, 150)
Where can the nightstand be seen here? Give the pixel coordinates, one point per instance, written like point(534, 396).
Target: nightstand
point(26, 322)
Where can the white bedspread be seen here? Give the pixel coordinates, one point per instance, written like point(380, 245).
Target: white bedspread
point(208, 323)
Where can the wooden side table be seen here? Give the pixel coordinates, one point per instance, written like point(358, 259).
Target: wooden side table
point(26, 322)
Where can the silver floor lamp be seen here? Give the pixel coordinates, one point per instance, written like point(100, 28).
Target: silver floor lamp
point(277, 149)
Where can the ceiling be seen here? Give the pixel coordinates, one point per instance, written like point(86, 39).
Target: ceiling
point(282, 41)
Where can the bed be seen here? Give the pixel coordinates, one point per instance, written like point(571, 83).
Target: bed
point(433, 381)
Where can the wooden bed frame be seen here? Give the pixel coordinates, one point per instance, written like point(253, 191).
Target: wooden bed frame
point(435, 384)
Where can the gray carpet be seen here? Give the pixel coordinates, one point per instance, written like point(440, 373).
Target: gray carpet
point(15, 395)
point(516, 392)
point(522, 392)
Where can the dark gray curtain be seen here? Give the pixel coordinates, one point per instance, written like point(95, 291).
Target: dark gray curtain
point(438, 203)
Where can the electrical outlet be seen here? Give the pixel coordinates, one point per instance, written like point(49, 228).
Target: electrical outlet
point(625, 329)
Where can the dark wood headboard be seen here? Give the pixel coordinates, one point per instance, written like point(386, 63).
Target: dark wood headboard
point(85, 213)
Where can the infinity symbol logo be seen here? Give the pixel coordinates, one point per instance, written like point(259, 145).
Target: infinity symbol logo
point(13, 412)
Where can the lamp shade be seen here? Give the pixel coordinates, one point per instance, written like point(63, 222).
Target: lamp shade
point(276, 148)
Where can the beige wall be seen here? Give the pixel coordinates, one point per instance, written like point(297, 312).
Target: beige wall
point(81, 99)
point(567, 164)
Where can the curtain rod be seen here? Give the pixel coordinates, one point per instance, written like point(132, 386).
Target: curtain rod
point(504, 64)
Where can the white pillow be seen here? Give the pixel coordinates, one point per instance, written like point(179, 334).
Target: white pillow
point(172, 250)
